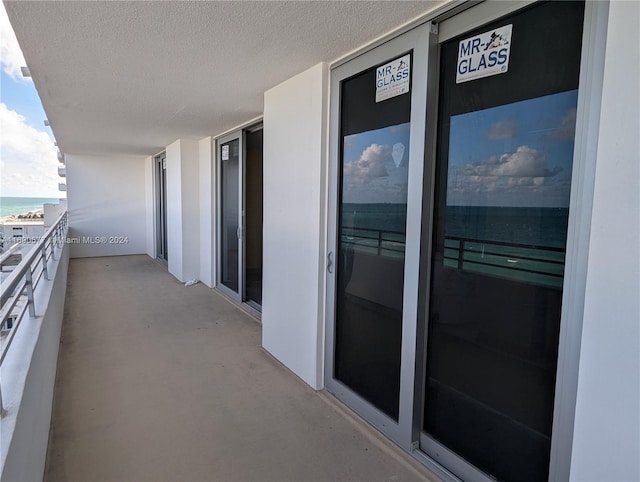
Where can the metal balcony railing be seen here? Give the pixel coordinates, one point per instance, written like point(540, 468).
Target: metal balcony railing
point(17, 290)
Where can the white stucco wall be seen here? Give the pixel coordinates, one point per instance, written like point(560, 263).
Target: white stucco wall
point(106, 200)
point(607, 420)
point(207, 271)
point(53, 211)
point(183, 211)
point(293, 263)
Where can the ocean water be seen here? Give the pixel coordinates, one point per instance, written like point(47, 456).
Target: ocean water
point(518, 225)
point(18, 205)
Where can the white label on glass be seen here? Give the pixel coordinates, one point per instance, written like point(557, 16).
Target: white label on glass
point(392, 79)
point(225, 152)
point(484, 55)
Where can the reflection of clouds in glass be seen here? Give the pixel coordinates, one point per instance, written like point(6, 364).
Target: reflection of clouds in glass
point(525, 162)
point(566, 131)
point(375, 168)
point(517, 154)
point(518, 178)
point(371, 162)
point(503, 129)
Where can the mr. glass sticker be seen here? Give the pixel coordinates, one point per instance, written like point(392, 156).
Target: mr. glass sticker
point(484, 55)
point(392, 79)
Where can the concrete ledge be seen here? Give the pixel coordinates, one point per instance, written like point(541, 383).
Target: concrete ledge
point(28, 374)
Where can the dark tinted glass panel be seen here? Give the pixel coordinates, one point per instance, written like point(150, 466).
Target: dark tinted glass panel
point(253, 216)
point(504, 162)
point(161, 165)
point(230, 172)
point(371, 238)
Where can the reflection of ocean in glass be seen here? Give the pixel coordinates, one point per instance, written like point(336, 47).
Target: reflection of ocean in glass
point(526, 226)
point(375, 180)
point(375, 228)
point(508, 185)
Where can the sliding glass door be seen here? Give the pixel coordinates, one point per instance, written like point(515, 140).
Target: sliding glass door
point(240, 216)
point(377, 151)
point(506, 121)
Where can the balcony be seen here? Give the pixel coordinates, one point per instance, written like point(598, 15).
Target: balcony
point(62, 170)
point(158, 381)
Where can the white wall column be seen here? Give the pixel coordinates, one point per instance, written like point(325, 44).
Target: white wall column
point(183, 211)
point(606, 440)
point(207, 203)
point(294, 233)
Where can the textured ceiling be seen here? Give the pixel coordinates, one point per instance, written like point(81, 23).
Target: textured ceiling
point(132, 77)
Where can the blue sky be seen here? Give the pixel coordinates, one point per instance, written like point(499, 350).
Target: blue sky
point(28, 160)
point(518, 154)
point(375, 168)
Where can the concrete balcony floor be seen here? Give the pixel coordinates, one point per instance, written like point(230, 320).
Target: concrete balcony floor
point(161, 382)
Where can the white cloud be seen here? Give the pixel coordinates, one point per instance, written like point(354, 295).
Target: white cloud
point(501, 130)
point(28, 160)
point(11, 56)
point(371, 162)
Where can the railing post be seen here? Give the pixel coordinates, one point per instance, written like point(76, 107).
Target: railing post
point(45, 271)
point(379, 243)
point(461, 254)
point(54, 245)
point(30, 298)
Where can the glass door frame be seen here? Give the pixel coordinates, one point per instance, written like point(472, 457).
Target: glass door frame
point(417, 40)
point(236, 135)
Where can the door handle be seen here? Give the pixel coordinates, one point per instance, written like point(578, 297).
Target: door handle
point(330, 262)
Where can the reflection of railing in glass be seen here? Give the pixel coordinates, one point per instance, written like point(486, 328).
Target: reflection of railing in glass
point(542, 265)
point(375, 241)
